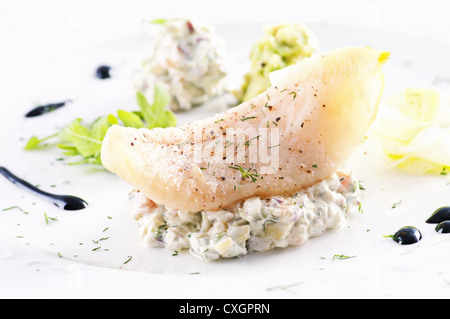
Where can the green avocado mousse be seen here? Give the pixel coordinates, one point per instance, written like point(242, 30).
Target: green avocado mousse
point(280, 46)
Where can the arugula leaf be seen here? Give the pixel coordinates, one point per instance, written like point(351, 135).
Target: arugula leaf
point(82, 138)
point(85, 139)
point(35, 142)
point(158, 21)
point(156, 115)
point(112, 119)
point(130, 119)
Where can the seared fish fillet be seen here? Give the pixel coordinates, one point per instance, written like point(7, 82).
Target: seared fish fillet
point(320, 111)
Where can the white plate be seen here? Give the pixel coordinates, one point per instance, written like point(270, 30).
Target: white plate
point(85, 253)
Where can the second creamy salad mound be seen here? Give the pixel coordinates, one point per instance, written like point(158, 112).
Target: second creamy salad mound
point(256, 224)
point(187, 59)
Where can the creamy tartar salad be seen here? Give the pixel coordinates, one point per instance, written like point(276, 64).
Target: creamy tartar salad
point(254, 225)
point(187, 58)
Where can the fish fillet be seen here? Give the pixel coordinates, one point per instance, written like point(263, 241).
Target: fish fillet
point(320, 111)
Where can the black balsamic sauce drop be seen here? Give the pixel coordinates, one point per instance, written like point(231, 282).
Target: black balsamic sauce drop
point(66, 202)
point(407, 235)
point(43, 109)
point(439, 215)
point(103, 72)
point(443, 227)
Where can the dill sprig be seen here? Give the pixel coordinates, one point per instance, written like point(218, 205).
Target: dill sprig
point(246, 173)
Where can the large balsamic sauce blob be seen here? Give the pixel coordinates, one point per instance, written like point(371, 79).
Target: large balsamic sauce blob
point(66, 202)
point(439, 215)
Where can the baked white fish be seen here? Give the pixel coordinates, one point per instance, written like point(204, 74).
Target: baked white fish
point(320, 111)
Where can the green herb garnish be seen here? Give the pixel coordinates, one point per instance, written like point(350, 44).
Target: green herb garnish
point(246, 173)
point(248, 118)
point(360, 186)
point(284, 287)
point(47, 218)
point(395, 205)
point(342, 256)
point(34, 141)
point(294, 95)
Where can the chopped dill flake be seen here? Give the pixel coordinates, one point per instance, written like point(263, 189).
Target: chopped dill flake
point(248, 142)
point(12, 207)
point(128, 260)
point(227, 144)
point(294, 95)
point(342, 256)
point(265, 222)
point(443, 171)
point(246, 173)
point(395, 205)
point(47, 218)
point(284, 287)
point(175, 253)
point(248, 118)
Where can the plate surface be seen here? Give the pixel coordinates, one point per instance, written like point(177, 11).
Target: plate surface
point(89, 249)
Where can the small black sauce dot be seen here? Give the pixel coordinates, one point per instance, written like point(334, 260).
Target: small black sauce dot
point(103, 72)
point(407, 235)
point(443, 227)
